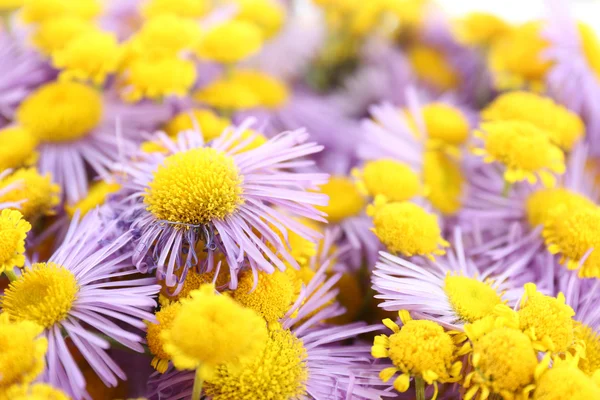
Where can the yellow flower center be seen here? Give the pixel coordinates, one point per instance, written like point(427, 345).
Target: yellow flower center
point(40, 194)
point(17, 147)
point(230, 42)
point(523, 148)
point(470, 298)
point(392, 179)
point(195, 280)
point(563, 127)
point(444, 181)
point(165, 318)
point(37, 391)
point(212, 329)
point(44, 294)
point(273, 296)
point(91, 56)
point(53, 113)
point(180, 8)
point(166, 36)
point(408, 229)
point(158, 78)
point(431, 66)
point(228, 94)
point(22, 356)
point(55, 33)
point(504, 361)
point(516, 58)
point(195, 187)
point(591, 47)
point(97, 195)
point(344, 199)
point(271, 92)
point(545, 205)
point(565, 382)
point(481, 29)
point(548, 318)
point(268, 15)
point(13, 231)
point(210, 125)
point(591, 339)
point(279, 372)
point(445, 124)
point(39, 11)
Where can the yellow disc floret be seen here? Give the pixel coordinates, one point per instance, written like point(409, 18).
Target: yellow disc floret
point(444, 181)
point(37, 391)
point(195, 187)
point(38, 194)
point(55, 111)
point(565, 381)
point(165, 36)
point(38, 11)
point(392, 179)
point(271, 92)
point(17, 147)
point(471, 298)
point(345, 200)
point(563, 127)
point(22, 356)
point(590, 337)
point(56, 33)
point(545, 205)
point(91, 56)
point(165, 318)
point(481, 29)
point(591, 47)
point(228, 95)
point(523, 149)
point(431, 66)
point(212, 329)
point(96, 196)
point(407, 228)
point(268, 15)
point(44, 294)
point(13, 231)
point(180, 8)
point(445, 125)
point(278, 372)
point(273, 296)
point(548, 319)
point(207, 122)
point(230, 42)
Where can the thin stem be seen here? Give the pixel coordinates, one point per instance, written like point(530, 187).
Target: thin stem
point(420, 388)
point(198, 381)
point(10, 274)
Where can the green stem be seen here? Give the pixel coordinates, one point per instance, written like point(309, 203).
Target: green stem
point(197, 390)
point(10, 274)
point(420, 388)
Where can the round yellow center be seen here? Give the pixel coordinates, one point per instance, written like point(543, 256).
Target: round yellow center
point(431, 66)
point(481, 29)
point(504, 360)
point(165, 36)
point(408, 229)
point(563, 127)
point(13, 231)
point(37, 391)
point(591, 47)
point(545, 205)
point(445, 124)
point(444, 181)
point(470, 298)
point(180, 8)
point(268, 15)
point(165, 318)
point(230, 42)
point(422, 346)
point(40, 193)
point(45, 10)
point(344, 199)
point(54, 113)
point(392, 179)
point(55, 33)
point(273, 296)
point(279, 372)
point(565, 382)
point(228, 94)
point(271, 92)
point(591, 338)
point(207, 122)
point(17, 147)
point(44, 294)
point(195, 187)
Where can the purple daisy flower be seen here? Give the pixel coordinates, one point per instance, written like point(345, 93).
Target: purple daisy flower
point(236, 197)
point(81, 293)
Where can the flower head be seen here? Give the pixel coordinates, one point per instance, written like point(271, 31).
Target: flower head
point(13, 231)
point(17, 148)
point(35, 194)
point(230, 42)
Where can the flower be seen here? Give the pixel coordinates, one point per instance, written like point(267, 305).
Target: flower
point(13, 231)
point(230, 42)
point(33, 194)
point(17, 148)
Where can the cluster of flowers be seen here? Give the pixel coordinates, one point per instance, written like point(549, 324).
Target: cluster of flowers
point(240, 199)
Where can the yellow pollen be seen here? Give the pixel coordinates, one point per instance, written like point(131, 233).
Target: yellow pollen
point(22, 356)
point(230, 42)
point(155, 79)
point(212, 329)
point(44, 294)
point(408, 229)
point(54, 112)
point(565, 382)
point(470, 298)
point(13, 231)
point(516, 59)
point(504, 362)
point(56, 33)
point(210, 125)
point(591, 47)
point(195, 280)
point(345, 200)
point(271, 92)
point(227, 94)
point(195, 187)
point(180, 8)
point(445, 125)
point(39, 11)
point(431, 66)
point(17, 147)
point(91, 56)
point(545, 205)
point(165, 318)
point(273, 297)
point(392, 179)
point(166, 36)
point(268, 15)
point(444, 181)
point(96, 196)
point(40, 194)
point(572, 235)
point(590, 337)
point(548, 319)
point(278, 372)
point(523, 149)
point(563, 127)
point(37, 391)
point(481, 29)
